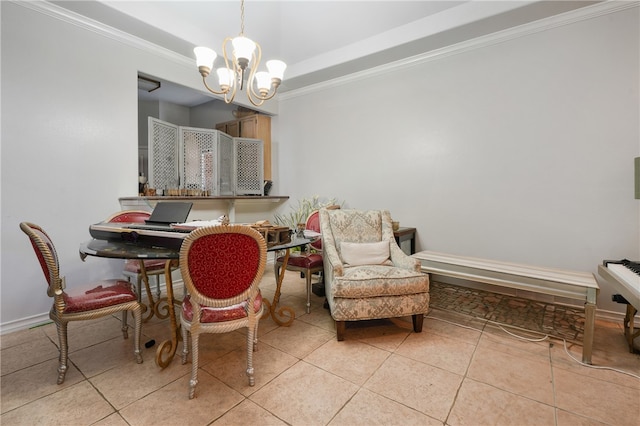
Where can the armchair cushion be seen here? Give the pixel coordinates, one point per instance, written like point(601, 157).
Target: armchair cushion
point(377, 281)
point(355, 254)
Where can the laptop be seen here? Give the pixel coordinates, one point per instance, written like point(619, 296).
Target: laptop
point(164, 214)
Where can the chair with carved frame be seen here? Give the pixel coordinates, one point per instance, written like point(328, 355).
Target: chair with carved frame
point(221, 268)
point(87, 302)
point(308, 262)
point(132, 269)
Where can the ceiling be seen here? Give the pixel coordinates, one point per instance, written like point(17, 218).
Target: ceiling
point(318, 39)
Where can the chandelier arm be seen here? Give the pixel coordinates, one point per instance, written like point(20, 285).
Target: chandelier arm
point(233, 68)
point(254, 103)
point(266, 98)
point(251, 93)
point(223, 92)
point(262, 99)
point(233, 95)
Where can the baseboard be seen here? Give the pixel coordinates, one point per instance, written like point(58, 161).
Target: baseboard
point(42, 319)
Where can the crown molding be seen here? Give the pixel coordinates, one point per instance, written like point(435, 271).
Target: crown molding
point(70, 17)
point(545, 24)
point(567, 18)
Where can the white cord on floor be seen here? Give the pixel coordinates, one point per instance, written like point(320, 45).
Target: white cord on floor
point(543, 338)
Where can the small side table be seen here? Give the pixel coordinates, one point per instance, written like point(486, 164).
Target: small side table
point(406, 234)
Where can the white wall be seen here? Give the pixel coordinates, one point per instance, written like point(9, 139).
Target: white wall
point(207, 115)
point(518, 151)
point(69, 144)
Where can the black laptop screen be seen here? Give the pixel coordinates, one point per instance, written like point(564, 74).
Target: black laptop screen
point(170, 212)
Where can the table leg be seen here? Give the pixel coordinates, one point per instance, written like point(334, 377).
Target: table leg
point(169, 347)
point(150, 309)
point(271, 307)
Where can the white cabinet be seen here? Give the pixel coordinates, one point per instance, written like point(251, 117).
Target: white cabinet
point(203, 162)
point(206, 161)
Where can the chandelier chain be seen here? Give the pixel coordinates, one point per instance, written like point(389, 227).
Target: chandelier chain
point(242, 17)
point(245, 58)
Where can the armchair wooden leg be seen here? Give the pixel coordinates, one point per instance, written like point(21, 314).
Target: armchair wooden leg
point(340, 328)
point(417, 322)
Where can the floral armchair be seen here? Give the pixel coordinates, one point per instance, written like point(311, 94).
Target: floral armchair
point(367, 276)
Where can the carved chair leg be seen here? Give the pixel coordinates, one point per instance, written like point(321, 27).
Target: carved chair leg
point(158, 292)
point(194, 365)
point(340, 328)
point(255, 335)
point(250, 342)
point(64, 350)
point(417, 322)
point(308, 277)
point(125, 327)
point(137, 318)
point(185, 343)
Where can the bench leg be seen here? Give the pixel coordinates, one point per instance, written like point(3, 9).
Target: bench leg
point(589, 327)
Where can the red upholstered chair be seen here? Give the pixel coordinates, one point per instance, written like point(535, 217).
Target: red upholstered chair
point(90, 301)
point(221, 267)
point(310, 261)
point(153, 267)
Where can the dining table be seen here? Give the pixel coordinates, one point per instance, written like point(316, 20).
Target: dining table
point(272, 307)
point(128, 250)
point(116, 249)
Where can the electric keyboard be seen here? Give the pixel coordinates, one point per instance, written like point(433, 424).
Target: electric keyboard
point(147, 235)
point(624, 275)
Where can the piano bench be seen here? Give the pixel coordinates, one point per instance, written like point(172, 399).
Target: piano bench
point(627, 283)
point(554, 282)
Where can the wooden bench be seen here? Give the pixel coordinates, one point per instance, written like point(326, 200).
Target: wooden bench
point(555, 282)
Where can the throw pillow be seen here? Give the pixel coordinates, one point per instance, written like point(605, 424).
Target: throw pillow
point(364, 253)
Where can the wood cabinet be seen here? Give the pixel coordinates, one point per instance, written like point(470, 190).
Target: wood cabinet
point(256, 126)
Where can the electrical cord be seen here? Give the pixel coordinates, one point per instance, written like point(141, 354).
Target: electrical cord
point(543, 338)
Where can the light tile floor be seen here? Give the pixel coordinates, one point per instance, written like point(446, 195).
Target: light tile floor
point(459, 371)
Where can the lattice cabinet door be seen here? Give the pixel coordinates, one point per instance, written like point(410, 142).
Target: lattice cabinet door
point(205, 164)
point(226, 155)
point(163, 155)
point(249, 166)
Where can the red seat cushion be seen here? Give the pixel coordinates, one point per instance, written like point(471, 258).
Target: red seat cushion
point(133, 265)
point(310, 261)
point(219, 314)
point(98, 295)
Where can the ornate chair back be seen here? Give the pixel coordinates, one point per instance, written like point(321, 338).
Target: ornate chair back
point(129, 216)
point(221, 267)
point(48, 259)
point(313, 224)
point(132, 267)
point(87, 302)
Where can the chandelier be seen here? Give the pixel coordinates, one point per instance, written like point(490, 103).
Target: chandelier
point(246, 55)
